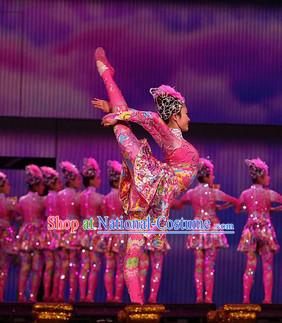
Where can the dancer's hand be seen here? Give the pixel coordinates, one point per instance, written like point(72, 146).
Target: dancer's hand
point(101, 104)
point(109, 120)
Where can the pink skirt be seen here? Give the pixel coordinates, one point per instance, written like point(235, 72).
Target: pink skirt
point(257, 236)
point(206, 240)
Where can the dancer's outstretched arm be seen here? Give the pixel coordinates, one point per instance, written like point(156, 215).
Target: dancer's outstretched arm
point(151, 122)
point(275, 197)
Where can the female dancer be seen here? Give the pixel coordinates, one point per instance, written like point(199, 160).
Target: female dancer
point(116, 243)
point(32, 233)
point(7, 235)
point(93, 245)
point(258, 236)
point(147, 185)
point(52, 254)
point(203, 199)
point(68, 203)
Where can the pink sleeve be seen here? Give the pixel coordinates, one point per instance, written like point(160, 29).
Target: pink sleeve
point(221, 196)
point(241, 203)
point(275, 197)
point(151, 122)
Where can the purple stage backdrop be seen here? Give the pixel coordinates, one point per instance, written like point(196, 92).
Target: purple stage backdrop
point(225, 60)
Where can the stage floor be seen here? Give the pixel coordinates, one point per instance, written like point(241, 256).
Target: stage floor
point(106, 313)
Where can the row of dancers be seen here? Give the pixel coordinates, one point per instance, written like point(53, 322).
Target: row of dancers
point(80, 254)
point(146, 186)
point(63, 253)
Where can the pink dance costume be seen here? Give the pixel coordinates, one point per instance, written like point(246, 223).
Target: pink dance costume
point(116, 242)
point(31, 235)
point(147, 186)
point(203, 199)
point(258, 235)
point(7, 235)
point(68, 203)
point(52, 239)
point(93, 244)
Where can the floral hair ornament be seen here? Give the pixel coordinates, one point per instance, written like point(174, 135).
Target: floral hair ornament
point(168, 101)
point(257, 167)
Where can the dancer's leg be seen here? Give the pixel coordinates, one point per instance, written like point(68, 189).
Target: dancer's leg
point(37, 269)
point(210, 256)
point(157, 258)
point(199, 272)
point(64, 262)
point(109, 275)
point(248, 278)
point(143, 271)
point(267, 265)
point(95, 265)
point(131, 268)
point(119, 281)
point(116, 98)
point(56, 276)
point(49, 266)
point(26, 260)
point(73, 266)
point(4, 269)
point(83, 275)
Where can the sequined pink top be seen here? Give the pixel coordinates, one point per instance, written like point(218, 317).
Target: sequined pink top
point(68, 203)
point(91, 203)
point(6, 206)
point(257, 202)
point(112, 205)
point(31, 207)
point(51, 204)
point(203, 199)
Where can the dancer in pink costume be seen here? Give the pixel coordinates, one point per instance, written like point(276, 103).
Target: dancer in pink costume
point(32, 233)
point(68, 202)
point(203, 199)
point(148, 186)
point(258, 236)
point(7, 234)
point(52, 239)
point(93, 245)
point(116, 242)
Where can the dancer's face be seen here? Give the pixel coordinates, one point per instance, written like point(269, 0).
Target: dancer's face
point(39, 188)
point(75, 183)
point(264, 180)
point(5, 189)
point(97, 181)
point(182, 119)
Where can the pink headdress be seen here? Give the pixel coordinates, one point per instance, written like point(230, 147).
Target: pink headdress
point(168, 101)
point(206, 167)
point(69, 170)
point(257, 167)
point(90, 168)
point(33, 174)
point(3, 178)
point(114, 170)
point(50, 175)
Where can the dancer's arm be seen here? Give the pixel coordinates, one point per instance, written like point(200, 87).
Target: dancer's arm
point(241, 204)
point(223, 197)
point(275, 197)
point(151, 122)
point(276, 209)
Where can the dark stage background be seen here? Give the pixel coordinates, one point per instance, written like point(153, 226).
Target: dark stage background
point(227, 62)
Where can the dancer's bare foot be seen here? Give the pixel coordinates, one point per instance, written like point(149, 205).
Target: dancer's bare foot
point(102, 105)
point(102, 62)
